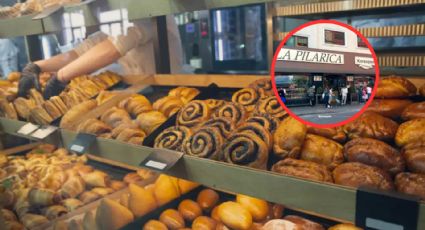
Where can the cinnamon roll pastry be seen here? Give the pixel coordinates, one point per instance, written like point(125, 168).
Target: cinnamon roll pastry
point(247, 97)
point(168, 105)
point(304, 169)
point(42, 197)
point(233, 111)
point(172, 138)
point(149, 121)
point(8, 110)
point(71, 204)
point(185, 93)
point(93, 126)
point(205, 143)
point(259, 131)
point(266, 120)
point(136, 104)
point(246, 149)
point(115, 116)
point(271, 106)
point(193, 113)
point(288, 138)
point(213, 104)
point(127, 134)
point(225, 125)
point(54, 211)
point(263, 87)
point(88, 197)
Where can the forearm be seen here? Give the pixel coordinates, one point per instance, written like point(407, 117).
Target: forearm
point(57, 62)
point(97, 57)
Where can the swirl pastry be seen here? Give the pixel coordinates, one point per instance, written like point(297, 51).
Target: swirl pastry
point(271, 106)
point(288, 138)
point(263, 87)
point(266, 120)
point(225, 125)
point(410, 132)
point(259, 131)
point(246, 149)
point(168, 105)
point(371, 125)
point(214, 103)
point(172, 138)
point(115, 116)
point(149, 121)
point(304, 169)
point(234, 111)
point(185, 93)
point(205, 142)
point(136, 104)
point(193, 113)
point(322, 150)
point(247, 97)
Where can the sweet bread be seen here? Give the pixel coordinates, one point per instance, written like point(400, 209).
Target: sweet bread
point(355, 174)
point(414, 154)
point(322, 150)
point(304, 169)
point(115, 116)
point(271, 106)
point(105, 96)
point(136, 104)
point(247, 97)
point(375, 153)
point(395, 87)
point(23, 107)
point(411, 183)
point(410, 132)
point(96, 179)
point(372, 125)
point(391, 108)
point(172, 138)
point(303, 223)
point(263, 87)
point(213, 104)
point(93, 126)
point(185, 93)
point(337, 133)
point(258, 130)
point(40, 116)
point(149, 121)
point(8, 110)
point(288, 138)
point(168, 105)
point(246, 148)
point(414, 111)
point(172, 219)
point(111, 215)
point(266, 120)
point(193, 114)
point(225, 125)
point(205, 143)
point(128, 134)
point(123, 126)
point(75, 112)
point(233, 111)
point(234, 215)
point(258, 208)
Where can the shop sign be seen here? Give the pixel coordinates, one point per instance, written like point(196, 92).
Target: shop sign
point(364, 62)
point(310, 56)
point(317, 78)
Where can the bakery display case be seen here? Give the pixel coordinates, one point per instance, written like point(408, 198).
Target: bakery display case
point(225, 133)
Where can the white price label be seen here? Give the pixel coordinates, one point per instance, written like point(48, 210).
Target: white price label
point(27, 129)
point(77, 148)
point(156, 164)
point(44, 132)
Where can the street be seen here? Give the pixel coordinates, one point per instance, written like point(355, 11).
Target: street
point(320, 115)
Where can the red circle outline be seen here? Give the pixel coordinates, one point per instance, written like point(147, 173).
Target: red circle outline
point(290, 34)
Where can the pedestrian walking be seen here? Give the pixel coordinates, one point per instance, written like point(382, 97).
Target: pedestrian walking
point(330, 97)
point(368, 91)
point(311, 95)
point(344, 92)
point(364, 94)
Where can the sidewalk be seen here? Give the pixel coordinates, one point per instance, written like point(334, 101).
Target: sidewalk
point(321, 115)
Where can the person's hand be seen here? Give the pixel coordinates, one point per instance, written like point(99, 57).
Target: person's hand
point(53, 87)
point(29, 79)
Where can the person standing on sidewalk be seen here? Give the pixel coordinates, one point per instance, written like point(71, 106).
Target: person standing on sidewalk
point(368, 91)
point(311, 94)
point(344, 92)
point(330, 97)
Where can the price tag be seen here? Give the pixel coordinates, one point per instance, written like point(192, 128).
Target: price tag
point(82, 142)
point(161, 159)
point(27, 129)
point(382, 210)
point(44, 132)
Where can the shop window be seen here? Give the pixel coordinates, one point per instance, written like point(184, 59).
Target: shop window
point(361, 43)
point(301, 41)
point(334, 37)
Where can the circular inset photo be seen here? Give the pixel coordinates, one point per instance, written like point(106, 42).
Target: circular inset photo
point(325, 73)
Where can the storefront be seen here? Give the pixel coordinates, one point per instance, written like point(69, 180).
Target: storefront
point(300, 68)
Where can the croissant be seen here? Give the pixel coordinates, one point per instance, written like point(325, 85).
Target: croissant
point(149, 121)
point(136, 104)
point(132, 178)
point(168, 105)
point(72, 187)
point(93, 126)
point(22, 207)
point(31, 221)
point(54, 211)
point(71, 204)
point(185, 93)
point(96, 179)
point(115, 116)
point(104, 96)
point(88, 196)
point(42, 197)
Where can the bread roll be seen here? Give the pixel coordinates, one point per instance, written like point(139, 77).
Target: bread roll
point(206, 142)
point(414, 154)
point(263, 87)
point(166, 189)
point(186, 186)
point(247, 97)
point(258, 208)
point(414, 111)
point(233, 111)
point(72, 204)
point(89, 222)
point(279, 224)
point(410, 132)
point(372, 125)
point(189, 210)
point(234, 215)
point(204, 223)
point(75, 112)
point(207, 199)
point(172, 219)
point(411, 183)
point(337, 133)
point(354, 174)
point(149, 121)
point(140, 201)
point(172, 138)
point(375, 153)
point(391, 108)
point(168, 105)
point(395, 87)
point(304, 169)
point(193, 113)
point(303, 223)
point(88, 197)
point(54, 211)
point(288, 138)
point(322, 150)
point(36, 96)
point(111, 215)
point(155, 225)
point(270, 105)
point(344, 227)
